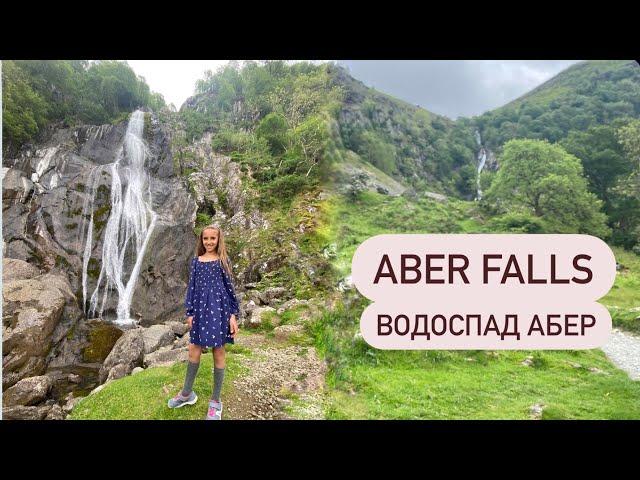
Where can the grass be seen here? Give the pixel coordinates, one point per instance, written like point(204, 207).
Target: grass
point(461, 387)
point(366, 383)
point(623, 300)
point(144, 396)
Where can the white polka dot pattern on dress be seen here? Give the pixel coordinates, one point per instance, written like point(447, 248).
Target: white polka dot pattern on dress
point(210, 300)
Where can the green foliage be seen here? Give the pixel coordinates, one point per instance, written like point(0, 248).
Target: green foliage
point(545, 181)
point(24, 111)
point(273, 128)
point(517, 222)
point(602, 157)
point(272, 118)
point(418, 148)
point(37, 93)
point(585, 95)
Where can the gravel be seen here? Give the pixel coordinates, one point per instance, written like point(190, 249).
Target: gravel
point(623, 349)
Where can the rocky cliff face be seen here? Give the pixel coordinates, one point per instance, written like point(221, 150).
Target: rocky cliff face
point(50, 192)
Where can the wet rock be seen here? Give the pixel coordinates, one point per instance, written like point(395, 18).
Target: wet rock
point(21, 412)
point(157, 336)
point(101, 338)
point(128, 351)
point(28, 391)
point(164, 357)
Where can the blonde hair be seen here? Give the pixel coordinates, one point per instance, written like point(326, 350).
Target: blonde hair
point(221, 249)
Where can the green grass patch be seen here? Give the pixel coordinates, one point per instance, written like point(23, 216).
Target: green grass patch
point(623, 300)
point(144, 396)
point(367, 383)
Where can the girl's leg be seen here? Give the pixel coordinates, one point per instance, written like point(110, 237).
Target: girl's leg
point(192, 369)
point(218, 372)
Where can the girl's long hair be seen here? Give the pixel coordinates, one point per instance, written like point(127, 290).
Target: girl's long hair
point(221, 249)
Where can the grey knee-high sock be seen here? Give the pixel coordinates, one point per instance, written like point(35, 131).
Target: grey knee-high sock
point(218, 377)
point(192, 369)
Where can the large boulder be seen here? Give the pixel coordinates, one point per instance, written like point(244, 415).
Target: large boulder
point(14, 269)
point(157, 336)
point(179, 328)
point(22, 412)
point(28, 391)
point(165, 357)
point(37, 313)
point(128, 352)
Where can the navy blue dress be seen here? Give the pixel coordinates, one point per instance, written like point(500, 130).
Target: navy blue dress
point(211, 300)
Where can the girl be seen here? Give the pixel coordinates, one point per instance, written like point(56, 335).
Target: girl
point(212, 313)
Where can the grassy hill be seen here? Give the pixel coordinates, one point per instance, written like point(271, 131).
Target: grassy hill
point(584, 95)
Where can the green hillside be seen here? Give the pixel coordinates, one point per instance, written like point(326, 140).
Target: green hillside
point(419, 148)
point(584, 95)
point(37, 94)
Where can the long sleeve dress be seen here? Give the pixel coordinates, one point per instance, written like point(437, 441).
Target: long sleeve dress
point(210, 300)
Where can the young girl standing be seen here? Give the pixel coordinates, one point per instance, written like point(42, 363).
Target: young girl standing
point(212, 315)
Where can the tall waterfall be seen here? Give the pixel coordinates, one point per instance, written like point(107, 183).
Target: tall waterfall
point(129, 226)
point(482, 158)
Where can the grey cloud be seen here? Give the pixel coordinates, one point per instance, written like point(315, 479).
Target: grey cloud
point(455, 87)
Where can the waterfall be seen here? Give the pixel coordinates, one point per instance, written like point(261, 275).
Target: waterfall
point(482, 158)
point(130, 224)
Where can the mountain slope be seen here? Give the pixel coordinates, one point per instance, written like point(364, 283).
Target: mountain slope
point(416, 147)
point(584, 95)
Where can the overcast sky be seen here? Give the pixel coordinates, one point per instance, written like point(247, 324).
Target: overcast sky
point(456, 87)
point(448, 87)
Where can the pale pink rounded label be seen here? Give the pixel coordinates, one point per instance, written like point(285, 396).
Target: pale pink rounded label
point(495, 280)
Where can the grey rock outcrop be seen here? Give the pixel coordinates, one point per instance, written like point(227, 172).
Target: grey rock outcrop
point(50, 191)
point(37, 313)
point(127, 353)
point(28, 391)
point(157, 336)
point(22, 412)
point(166, 356)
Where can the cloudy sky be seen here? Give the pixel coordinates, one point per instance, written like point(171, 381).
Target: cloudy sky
point(456, 87)
point(448, 87)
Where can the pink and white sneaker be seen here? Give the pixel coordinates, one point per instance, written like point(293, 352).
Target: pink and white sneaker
point(215, 410)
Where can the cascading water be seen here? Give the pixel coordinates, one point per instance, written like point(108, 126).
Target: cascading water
point(482, 158)
point(129, 226)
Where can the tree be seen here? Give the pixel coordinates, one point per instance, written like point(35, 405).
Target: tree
point(545, 181)
point(273, 128)
point(602, 157)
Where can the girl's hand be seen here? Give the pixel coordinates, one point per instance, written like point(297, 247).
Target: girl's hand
point(190, 322)
point(233, 326)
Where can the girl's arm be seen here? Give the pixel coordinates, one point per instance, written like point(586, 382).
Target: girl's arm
point(188, 303)
point(228, 285)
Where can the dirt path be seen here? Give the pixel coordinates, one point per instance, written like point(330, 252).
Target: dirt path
point(623, 349)
point(284, 380)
